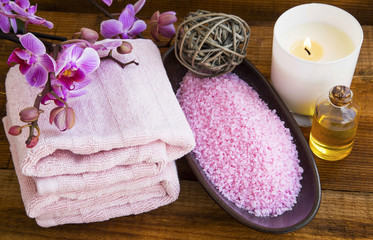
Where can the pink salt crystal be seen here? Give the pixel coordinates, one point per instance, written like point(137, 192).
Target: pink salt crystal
point(242, 146)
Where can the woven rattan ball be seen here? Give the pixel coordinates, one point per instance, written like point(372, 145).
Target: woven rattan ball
point(211, 44)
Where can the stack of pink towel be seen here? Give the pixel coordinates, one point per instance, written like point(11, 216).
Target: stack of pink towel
point(118, 159)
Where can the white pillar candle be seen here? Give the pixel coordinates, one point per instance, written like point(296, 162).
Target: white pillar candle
point(302, 71)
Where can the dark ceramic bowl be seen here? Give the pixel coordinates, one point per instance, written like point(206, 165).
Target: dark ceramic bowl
point(308, 200)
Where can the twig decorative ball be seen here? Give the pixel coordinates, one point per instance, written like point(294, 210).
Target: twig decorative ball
point(211, 44)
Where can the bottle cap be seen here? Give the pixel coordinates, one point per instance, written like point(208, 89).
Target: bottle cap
point(340, 95)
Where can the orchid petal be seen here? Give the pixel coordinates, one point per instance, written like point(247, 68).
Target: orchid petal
point(59, 103)
point(125, 35)
point(81, 84)
point(15, 7)
point(63, 59)
point(78, 93)
point(23, 3)
point(13, 23)
point(155, 31)
point(48, 62)
point(22, 57)
point(108, 2)
point(35, 20)
point(127, 17)
point(32, 43)
point(138, 5)
point(32, 9)
point(46, 98)
point(4, 24)
point(66, 82)
point(168, 31)
point(108, 44)
point(61, 67)
point(111, 28)
point(76, 52)
point(79, 76)
point(23, 54)
point(37, 75)
point(137, 28)
point(48, 24)
point(167, 18)
point(6, 10)
point(23, 68)
point(89, 60)
point(13, 58)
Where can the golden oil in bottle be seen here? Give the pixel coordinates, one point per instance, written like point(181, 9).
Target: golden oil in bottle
point(334, 124)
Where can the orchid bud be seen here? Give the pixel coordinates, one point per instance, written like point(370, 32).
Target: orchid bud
point(54, 113)
point(89, 35)
point(15, 130)
point(63, 118)
point(32, 141)
point(29, 114)
point(125, 48)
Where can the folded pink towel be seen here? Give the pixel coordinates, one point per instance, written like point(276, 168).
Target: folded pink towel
point(117, 159)
point(132, 109)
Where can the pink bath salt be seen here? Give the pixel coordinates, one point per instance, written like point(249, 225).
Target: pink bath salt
point(243, 146)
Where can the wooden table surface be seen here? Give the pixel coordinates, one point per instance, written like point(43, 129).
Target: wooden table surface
point(346, 210)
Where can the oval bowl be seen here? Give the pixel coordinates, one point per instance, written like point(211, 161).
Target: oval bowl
point(308, 200)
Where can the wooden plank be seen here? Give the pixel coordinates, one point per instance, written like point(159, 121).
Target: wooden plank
point(342, 215)
point(253, 10)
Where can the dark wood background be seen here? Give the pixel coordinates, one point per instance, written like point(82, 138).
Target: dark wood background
point(346, 210)
point(249, 10)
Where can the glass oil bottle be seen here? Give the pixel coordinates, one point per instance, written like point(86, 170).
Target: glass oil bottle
point(334, 124)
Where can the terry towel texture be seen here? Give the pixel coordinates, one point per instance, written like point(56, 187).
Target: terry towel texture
point(118, 159)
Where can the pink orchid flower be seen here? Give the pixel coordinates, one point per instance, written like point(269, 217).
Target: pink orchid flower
point(7, 18)
point(75, 63)
point(127, 26)
point(33, 61)
point(62, 92)
point(163, 24)
point(26, 13)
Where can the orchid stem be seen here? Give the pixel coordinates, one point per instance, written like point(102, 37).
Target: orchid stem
point(10, 37)
point(13, 38)
point(48, 36)
point(123, 65)
point(47, 89)
point(94, 3)
point(58, 98)
point(31, 133)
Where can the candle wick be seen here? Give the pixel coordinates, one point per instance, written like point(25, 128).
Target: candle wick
point(308, 51)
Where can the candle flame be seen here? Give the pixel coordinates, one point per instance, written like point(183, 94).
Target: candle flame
point(307, 43)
